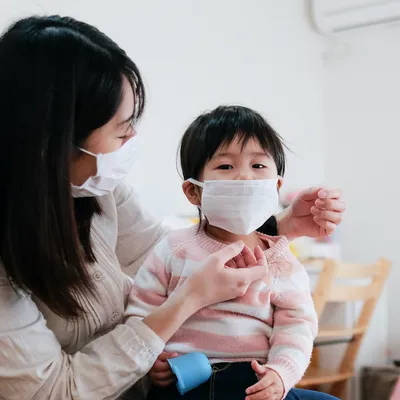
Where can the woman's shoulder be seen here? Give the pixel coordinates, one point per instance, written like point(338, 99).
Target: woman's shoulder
point(124, 192)
point(122, 195)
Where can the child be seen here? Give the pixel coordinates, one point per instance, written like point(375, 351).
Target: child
point(259, 344)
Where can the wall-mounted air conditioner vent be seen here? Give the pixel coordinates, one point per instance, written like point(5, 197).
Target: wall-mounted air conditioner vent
point(330, 16)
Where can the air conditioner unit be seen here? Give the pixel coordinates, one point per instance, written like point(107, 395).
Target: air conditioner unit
point(332, 16)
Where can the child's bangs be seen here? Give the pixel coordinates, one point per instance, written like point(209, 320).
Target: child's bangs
point(243, 138)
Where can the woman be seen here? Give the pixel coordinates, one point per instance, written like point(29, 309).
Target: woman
point(69, 99)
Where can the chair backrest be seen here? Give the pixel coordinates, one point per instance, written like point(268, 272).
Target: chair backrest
point(340, 282)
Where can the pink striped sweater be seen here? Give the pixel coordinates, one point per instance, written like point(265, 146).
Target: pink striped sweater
point(274, 322)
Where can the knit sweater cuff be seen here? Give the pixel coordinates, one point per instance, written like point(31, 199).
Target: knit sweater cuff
point(147, 335)
point(287, 372)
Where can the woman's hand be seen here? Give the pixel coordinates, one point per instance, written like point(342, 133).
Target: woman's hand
point(213, 283)
point(315, 212)
point(226, 274)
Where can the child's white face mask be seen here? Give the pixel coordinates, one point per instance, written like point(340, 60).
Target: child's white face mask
point(111, 169)
point(238, 206)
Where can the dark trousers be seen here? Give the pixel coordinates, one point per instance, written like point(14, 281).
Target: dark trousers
point(229, 382)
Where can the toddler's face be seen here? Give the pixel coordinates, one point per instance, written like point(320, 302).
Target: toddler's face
point(235, 162)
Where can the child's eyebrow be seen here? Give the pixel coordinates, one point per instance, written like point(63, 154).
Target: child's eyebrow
point(256, 153)
point(261, 154)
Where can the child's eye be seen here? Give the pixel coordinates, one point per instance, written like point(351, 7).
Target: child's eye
point(258, 166)
point(225, 166)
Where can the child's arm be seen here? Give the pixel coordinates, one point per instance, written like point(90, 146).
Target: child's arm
point(149, 291)
point(150, 286)
point(295, 321)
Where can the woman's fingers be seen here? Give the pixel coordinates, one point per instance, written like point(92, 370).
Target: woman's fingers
point(325, 215)
point(259, 256)
point(256, 273)
point(244, 277)
point(328, 227)
point(245, 259)
point(229, 252)
point(248, 257)
point(331, 205)
point(215, 282)
point(328, 210)
point(330, 193)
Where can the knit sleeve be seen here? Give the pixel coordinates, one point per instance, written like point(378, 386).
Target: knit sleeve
point(150, 288)
point(138, 231)
point(33, 365)
point(295, 320)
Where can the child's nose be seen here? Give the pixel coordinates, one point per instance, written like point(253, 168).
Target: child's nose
point(244, 176)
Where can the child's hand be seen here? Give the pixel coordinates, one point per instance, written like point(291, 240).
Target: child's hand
point(269, 386)
point(161, 374)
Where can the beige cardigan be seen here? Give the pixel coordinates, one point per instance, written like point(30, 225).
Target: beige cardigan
point(42, 356)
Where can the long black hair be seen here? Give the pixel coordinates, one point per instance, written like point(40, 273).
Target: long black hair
point(60, 79)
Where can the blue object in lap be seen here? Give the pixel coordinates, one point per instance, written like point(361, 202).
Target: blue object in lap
point(191, 370)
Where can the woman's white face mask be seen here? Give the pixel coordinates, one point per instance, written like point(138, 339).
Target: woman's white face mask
point(111, 169)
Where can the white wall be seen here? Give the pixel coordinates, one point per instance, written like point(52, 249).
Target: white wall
point(195, 55)
point(362, 143)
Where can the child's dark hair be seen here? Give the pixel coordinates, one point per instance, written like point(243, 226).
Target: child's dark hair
point(222, 126)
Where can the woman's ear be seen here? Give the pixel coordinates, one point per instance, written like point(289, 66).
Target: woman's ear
point(192, 193)
point(280, 182)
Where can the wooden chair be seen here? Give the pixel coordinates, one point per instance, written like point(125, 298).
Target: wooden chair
point(329, 289)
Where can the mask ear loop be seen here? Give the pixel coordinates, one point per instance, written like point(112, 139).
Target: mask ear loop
point(87, 152)
point(196, 182)
point(200, 184)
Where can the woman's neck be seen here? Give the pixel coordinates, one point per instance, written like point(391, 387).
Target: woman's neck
point(251, 240)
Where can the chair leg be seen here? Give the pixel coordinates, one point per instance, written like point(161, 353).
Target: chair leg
point(338, 389)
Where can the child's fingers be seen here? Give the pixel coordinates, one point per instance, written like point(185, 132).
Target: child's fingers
point(261, 385)
point(274, 396)
point(269, 393)
point(259, 369)
point(161, 376)
point(161, 366)
point(164, 356)
point(230, 264)
point(164, 383)
point(239, 261)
